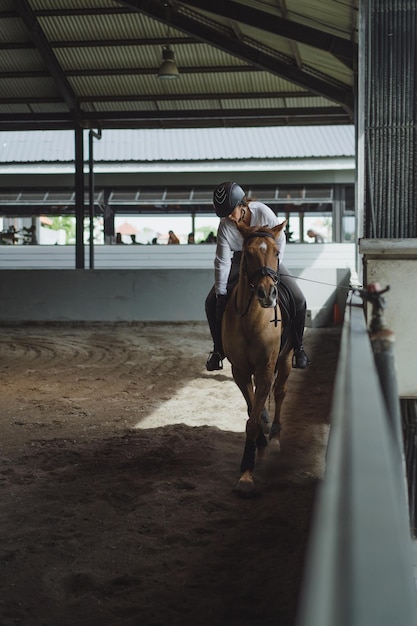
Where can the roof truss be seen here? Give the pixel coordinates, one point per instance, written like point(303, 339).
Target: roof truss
point(241, 63)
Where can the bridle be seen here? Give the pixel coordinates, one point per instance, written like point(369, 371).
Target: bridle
point(265, 270)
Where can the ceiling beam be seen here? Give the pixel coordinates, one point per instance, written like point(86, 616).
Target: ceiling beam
point(130, 71)
point(38, 37)
point(122, 43)
point(220, 114)
point(183, 97)
point(342, 49)
point(79, 10)
point(220, 38)
point(179, 119)
point(191, 97)
point(100, 43)
point(242, 114)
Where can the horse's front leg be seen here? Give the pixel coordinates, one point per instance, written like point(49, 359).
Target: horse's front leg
point(255, 439)
point(280, 390)
point(244, 382)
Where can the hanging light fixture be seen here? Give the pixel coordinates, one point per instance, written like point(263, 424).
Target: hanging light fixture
point(168, 69)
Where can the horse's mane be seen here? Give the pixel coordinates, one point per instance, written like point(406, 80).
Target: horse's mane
point(250, 230)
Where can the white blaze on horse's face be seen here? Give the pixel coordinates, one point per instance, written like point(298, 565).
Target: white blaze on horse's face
point(265, 278)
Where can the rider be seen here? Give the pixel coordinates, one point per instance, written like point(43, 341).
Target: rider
point(232, 206)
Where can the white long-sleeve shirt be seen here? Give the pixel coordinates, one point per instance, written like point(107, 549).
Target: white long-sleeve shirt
point(230, 240)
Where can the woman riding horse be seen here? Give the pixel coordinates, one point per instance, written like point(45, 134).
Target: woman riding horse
point(233, 207)
point(257, 344)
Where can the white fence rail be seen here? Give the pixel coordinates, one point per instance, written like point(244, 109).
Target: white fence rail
point(360, 566)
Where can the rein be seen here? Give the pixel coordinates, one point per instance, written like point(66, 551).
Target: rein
point(265, 270)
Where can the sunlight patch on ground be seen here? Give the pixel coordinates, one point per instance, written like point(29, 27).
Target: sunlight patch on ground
point(221, 404)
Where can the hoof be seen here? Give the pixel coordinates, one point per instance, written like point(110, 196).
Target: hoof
point(245, 487)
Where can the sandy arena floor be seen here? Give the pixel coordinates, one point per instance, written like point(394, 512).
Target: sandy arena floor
point(118, 457)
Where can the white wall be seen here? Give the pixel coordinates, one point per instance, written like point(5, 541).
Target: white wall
point(148, 283)
point(393, 263)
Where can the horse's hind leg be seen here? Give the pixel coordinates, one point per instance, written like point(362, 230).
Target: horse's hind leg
point(265, 420)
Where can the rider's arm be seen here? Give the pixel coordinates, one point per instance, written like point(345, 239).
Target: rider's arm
point(282, 242)
point(222, 262)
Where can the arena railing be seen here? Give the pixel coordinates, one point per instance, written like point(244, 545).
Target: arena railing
point(359, 566)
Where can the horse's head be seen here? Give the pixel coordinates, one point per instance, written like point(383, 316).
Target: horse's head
point(260, 261)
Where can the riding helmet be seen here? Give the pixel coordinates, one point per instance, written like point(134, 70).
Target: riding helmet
point(226, 197)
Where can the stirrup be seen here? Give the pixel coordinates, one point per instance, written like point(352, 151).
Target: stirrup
point(214, 362)
point(300, 360)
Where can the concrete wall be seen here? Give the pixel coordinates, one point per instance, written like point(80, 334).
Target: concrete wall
point(171, 285)
point(104, 295)
point(393, 263)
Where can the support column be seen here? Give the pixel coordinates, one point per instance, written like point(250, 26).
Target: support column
point(388, 63)
point(108, 214)
point(79, 199)
point(91, 135)
point(387, 151)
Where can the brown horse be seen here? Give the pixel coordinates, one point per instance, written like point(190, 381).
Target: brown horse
point(251, 332)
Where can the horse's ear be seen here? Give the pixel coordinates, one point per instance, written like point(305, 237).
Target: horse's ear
point(278, 228)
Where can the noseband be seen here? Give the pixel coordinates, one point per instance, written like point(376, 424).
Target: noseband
point(263, 271)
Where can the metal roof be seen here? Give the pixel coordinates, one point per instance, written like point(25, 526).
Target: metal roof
point(140, 145)
point(94, 63)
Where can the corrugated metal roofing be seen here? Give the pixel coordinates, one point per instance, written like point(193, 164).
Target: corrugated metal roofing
point(242, 63)
point(182, 144)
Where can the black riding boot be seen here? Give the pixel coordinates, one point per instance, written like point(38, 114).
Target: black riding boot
point(215, 358)
point(300, 359)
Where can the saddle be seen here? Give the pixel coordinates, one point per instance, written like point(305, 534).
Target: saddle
point(286, 304)
point(288, 310)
